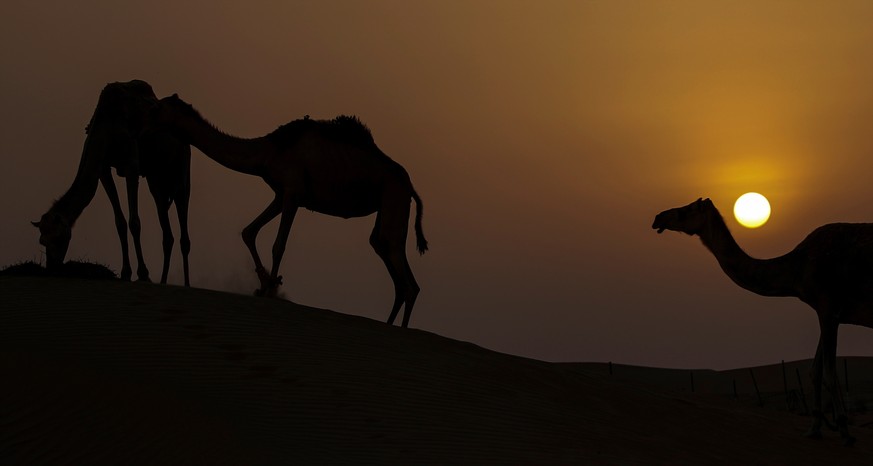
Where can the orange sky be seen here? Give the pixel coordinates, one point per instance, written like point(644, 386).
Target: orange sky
point(543, 138)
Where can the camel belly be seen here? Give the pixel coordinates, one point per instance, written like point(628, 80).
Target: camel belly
point(343, 200)
point(342, 181)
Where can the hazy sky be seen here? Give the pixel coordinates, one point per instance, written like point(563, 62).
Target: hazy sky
point(542, 136)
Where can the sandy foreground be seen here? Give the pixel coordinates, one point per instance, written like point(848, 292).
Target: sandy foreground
point(104, 372)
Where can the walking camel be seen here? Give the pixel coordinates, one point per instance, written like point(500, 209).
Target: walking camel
point(831, 270)
point(328, 166)
point(118, 137)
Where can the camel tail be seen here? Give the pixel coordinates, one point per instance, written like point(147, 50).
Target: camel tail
point(421, 243)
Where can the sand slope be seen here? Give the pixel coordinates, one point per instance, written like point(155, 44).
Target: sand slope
point(95, 372)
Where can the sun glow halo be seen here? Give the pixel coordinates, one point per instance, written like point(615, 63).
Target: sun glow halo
point(752, 210)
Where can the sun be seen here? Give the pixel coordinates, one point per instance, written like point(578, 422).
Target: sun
point(752, 210)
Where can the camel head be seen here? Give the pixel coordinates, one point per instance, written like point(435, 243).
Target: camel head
point(171, 114)
point(689, 219)
point(55, 233)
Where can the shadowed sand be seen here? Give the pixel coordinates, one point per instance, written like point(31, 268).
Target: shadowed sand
point(106, 372)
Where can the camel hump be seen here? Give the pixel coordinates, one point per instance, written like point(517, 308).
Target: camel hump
point(344, 129)
point(350, 127)
point(137, 86)
point(125, 103)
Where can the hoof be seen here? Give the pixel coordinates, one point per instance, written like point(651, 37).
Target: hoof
point(269, 286)
point(263, 276)
point(849, 441)
point(813, 434)
point(266, 293)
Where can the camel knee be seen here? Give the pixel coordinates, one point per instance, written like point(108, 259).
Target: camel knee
point(185, 244)
point(278, 250)
point(168, 241)
point(121, 226)
point(135, 225)
point(411, 295)
point(379, 244)
point(380, 249)
point(249, 236)
point(412, 289)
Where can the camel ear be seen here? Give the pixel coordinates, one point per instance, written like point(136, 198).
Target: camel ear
point(175, 95)
point(36, 224)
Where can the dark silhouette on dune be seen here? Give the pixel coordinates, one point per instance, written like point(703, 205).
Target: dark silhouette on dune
point(71, 269)
point(118, 137)
point(333, 167)
point(831, 270)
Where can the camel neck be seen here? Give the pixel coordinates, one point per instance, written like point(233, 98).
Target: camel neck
point(238, 154)
point(766, 277)
point(71, 204)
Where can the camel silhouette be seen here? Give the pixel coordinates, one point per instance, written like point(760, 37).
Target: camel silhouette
point(118, 137)
point(328, 166)
point(831, 271)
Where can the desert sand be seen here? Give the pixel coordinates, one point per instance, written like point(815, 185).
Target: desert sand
point(106, 372)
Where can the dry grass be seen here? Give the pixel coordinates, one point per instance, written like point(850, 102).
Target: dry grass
point(70, 269)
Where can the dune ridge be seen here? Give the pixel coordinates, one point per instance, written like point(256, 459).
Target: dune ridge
point(106, 372)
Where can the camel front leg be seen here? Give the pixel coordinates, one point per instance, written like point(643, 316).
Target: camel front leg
point(120, 223)
point(250, 236)
point(142, 272)
point(289, 211)
point(832, 382)
point(816, 373)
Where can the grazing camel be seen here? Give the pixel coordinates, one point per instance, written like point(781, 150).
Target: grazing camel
point(329, 166)
point(118, 137)
point(831, 270)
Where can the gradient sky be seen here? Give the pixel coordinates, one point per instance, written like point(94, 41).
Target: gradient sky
point(543, 138)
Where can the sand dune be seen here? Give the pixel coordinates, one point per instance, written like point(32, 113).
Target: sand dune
point(97, 372)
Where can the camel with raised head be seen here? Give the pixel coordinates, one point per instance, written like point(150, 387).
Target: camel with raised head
point(118, 137)
point(831, 271)
point(328, 166)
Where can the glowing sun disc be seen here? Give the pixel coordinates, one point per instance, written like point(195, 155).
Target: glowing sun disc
point(752, 210)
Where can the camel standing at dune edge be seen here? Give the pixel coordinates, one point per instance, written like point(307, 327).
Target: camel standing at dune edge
point(831, 270)
point(328, 166)
point(118, 137)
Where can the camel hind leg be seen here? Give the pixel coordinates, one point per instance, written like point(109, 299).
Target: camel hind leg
point(163, 207)
point(165, 195)
point(389, 241)
point(381, 247)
